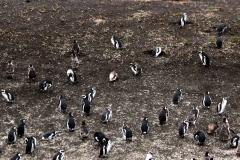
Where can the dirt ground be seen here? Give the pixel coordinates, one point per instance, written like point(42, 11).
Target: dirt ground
point(41, 32)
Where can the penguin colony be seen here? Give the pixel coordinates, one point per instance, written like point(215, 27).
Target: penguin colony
point(104, 142)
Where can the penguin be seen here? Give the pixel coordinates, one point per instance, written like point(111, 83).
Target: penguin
point(177, 96)
point(12, 135)
point(204, 58)
point(113, 76)
point(234, 141)
point(136, 68)
point(163, 116)
point(207, 101)
point(219, 42)
point(105, 148)
point(45, 84)
point(75, 47)
point(85, 105)
point(31, 72)
point(59, 155)
point(182, 20)
point(207, 156)
point(49, 135)
point(91, 94)
point(17, 156)
point(10, 69)
point(183, 128)
point(74, 61)
point(200, 137)
point(84, 133)
point(225, 130)
point(221, 106)
point(116, 43)
point(21, 128)
point(70, 122)
point(144, 126)
point(212, 127)
point(62, 104)
point(8, 96)
point(149, 156)
point(99, 137)
point(193, 116)
point(31, 144)
point(220, 29)
point(72, 76)
point(127, 133)
point(156, 52)
point(106, 115)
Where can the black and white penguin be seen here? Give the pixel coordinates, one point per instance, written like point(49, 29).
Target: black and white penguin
point(75, 47)
point(220, 29)
point(31, 144)
point(156, 52)
point(200, 137)
point(31, 72)
point(85, 105)
point(62, 104)
point(105, 148)
point(177, 96)
point(234, 141)
point(10, 69)
point(144, 126)
point(221, 106)
point(149, 156)
point(74, 61)
point(49, 135)
point(70, 122)
point(45, 84)
point(193, 115)
point(183, 128)
point(127, 133)
point(17, 156)
point(219, 42)
point(12, 135)
point(207, 156)
point(21, 128)
point(207, 101)
point(8, 96)
point(116, 42)
point(106, 115)
point(59, 155)
point(204, 58)
point(84, 133)
point(113, 76)
point(182, 20)
point(163, 116)
point(99, 137)
point(72, 77)
point(136, 68)
point(91, 94)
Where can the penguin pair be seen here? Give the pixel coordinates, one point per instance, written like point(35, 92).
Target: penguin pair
point(221, 106)
point(70, 122)
point(72, 77)
point(221, 28)
point(8, 96)
point(193, 115)
point(75, 47)
point(113, 76)
point(62, 104)
point(163, 116)
point(44, 85)
point(127, 133)
point(105, 148)
point(149, 156)
point(17, 156)
point(116, 42)
point(183, 128)
point(49, 135)
point(207, 101)
point(106, 115)
point(31, 144)
point(31, 72)
point(10, 69)
point(99, 137)
point(204, 58)
point(177, 96)
point(59, 155)
point(200, 137)
point(136, 68)
point(144, 126)
point(84, 133)
point(182, 20)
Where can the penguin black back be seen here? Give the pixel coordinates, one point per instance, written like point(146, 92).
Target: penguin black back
point(62, 104)
point(144, 126)
point(163, 116)
point(17, 156)
point(200, 137)
point(71, 122)
point(183, 128)
point(31, 144)
point(45, 84)
point(21, 128)
point(127, 133)
point(12, 135)
point(31, 72)
point(99, 137)
point(85, 105)
point(59, 155)
point(177, 96)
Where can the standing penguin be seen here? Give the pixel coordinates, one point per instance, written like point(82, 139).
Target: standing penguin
point(74, 61)
point(136, 68)
point(62, 104)
point(144, 126)
point(234, 141)
point(85, 105)
point(99, 137)
point(219, 42)
point(149, 156)
point(204, 58)
point(156, 52)
point(10, 69)
point(225, 130)
point(183, 128)
point(182, 20)
point(7, 95)
point(17, 156)
point(207, 101)
point(45, 84)
point(127, 133)
point(21, 128)
point(105, 148)
point(31, 72)
point(163, 116)
point(221, 106)
point(106, 115)
point(75, 47)
point(177, 96)
point(31, 144)
point(70, 122)
point(113, 76)
point(49, 135)
point(84, 133)
point(193, 116)
point(91, 94)
point(220, 29)
point(59, 155)
point(200, 137)
point(116, 42)
point(12, 135)
point(72, 76)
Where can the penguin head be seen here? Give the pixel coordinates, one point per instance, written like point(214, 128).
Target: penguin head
point(71, 114)
point(207, 92)
point(60, 96)
point(83, 123)
point(26, 140)
point(75, 41)
point(109, 109)
point(145, 118)
point(224, 98)
point(61, 151)
point(150, 152)
point(23, 121)
point(3, 91)
point(207, 154)
point(30, 65)
point(84, 96)
point(225, 120)
point(180, 90)
point(19, 154)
